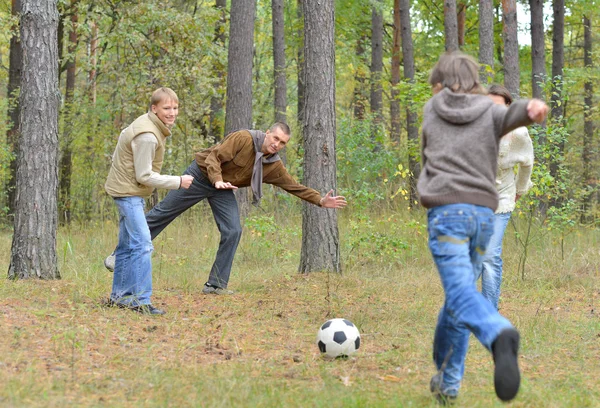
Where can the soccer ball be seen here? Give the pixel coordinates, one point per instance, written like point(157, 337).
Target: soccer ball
point(338, 337)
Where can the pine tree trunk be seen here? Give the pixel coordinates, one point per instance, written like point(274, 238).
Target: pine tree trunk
point(376, 70)
point(558, 62)
point(412, 128)
point(14, 83)
point(33, 253)
point(395, 74)
point(588, 123)
point(93, 49)
point(486, 41)
point(279, 67)
point(450, 25)
point(512, 71)
point(66, 158)
point(538, 53)
point(216, 121)
point(359, 101)
point(301, 81)
point(461, 20)
point(320, 236)
point(239, 78)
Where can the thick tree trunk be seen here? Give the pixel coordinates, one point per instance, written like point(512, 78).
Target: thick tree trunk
point(320, 236)
point(376, 69)
point(279, 67)
point(216, 122)
point(461, 20)
point(538, 53)
point(33, 253)
point(588, 123)
point(412, 127)
point(66, 160)
point(301, 82)
point(395, 80)
point(14, 108)
point(558, 58)
point(239, 78)
point(450, 25)
point(486, 41)
point(512, 71)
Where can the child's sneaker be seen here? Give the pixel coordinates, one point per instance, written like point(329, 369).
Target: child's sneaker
point(109, 262)
point(215, 290)
point(506, 373)
point(435, 386)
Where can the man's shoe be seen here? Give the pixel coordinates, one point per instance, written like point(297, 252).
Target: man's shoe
point(435, 386)
point(215, 290)
point(506, 373)
point(109, 262)
point(147, 310)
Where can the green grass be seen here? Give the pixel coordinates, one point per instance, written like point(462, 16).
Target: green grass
point(256, 349)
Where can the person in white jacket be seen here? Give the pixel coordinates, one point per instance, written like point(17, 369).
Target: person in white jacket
point(515, 151)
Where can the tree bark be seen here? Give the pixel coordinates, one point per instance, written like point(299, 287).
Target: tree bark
point(450, 25)
point(301, 82)
point(412, 127)
point(320, 236)
point(486, 41)
point(512, 71)
point(395, 74)
point(33, 253)
point(14, 108)
point(588, 123)
point(279, 67)
point(93, 60)
point(216, 122)
point(376, 69)
point(538, 52)
point(239, 78)
point(359, 101)
point(66, 158)
point(461, 20)
point(558, 58)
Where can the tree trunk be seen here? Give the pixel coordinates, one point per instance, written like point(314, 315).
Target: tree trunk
point(376, 69)
point(512, 71)
point(461, 20)
point(412, 127)
point(450, 25)
point(588, 123)
point(14, 108)
point(301, 82)
point(538, 54)
point(558, 61)
point(216, 100)
point(486, 41)
point(320, 236)
point(239, 78)
point(66, 160)
point(279, 67)
point(93, 59)
point(33, 253)
point(395, 71)
point(558, 58)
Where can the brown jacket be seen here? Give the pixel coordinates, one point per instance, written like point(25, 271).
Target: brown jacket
point(232, 161)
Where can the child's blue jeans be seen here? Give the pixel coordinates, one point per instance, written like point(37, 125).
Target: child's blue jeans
point(458, 239)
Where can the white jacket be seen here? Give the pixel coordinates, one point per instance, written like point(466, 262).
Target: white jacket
point(515, 151)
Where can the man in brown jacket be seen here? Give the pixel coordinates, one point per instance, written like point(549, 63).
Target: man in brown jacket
point(244, 158)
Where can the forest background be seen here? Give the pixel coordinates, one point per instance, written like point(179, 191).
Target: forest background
point(112, 54)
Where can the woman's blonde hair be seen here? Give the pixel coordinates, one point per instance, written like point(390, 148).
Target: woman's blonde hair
point(457, 71)
point(161, 94)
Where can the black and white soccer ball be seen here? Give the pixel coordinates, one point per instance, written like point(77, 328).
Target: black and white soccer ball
point(338, 338)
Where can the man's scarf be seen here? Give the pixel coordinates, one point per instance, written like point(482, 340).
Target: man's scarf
point(257, 172)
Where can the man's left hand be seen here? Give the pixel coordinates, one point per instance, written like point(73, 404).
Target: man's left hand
point(331, 201)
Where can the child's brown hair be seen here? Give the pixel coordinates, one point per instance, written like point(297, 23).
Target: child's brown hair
point(457, 71)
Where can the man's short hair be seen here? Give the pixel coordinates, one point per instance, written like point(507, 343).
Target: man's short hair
point(281, 126)
point(162, 94)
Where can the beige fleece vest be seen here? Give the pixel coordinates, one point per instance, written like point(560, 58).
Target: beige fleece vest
point(121, 181)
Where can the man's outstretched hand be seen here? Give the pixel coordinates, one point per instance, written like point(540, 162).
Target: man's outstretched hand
point(221, 185)
point(331, 201)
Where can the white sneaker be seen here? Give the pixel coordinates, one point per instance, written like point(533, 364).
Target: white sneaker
point(109, 262)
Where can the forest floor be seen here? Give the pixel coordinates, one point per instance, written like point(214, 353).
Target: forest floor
point(62, 346)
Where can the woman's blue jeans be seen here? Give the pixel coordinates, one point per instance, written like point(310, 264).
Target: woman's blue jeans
point(458, 239)
point(132, 280)
point(491, 268)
